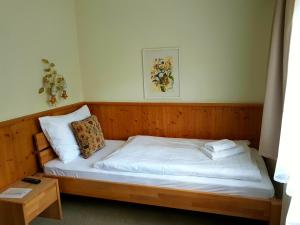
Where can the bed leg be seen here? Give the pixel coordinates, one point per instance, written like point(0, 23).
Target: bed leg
point(275, 214)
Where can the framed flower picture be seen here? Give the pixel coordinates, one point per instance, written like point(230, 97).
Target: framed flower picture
point(161, 73)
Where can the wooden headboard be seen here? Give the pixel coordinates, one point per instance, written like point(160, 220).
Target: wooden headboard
point(43, 149)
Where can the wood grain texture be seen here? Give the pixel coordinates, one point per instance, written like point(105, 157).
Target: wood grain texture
point(7, 210)
point(41, 142)
point(17, 150)
point(43, 199)
point(45, 156)
point(43, 149)
point(254, 208)
point(121, 120)
point(186, 120)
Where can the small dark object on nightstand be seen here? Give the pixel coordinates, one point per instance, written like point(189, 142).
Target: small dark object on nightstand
point(31, 180)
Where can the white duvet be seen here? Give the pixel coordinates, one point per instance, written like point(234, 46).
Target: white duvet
point(179, 157)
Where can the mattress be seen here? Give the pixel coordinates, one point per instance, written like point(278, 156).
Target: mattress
point(83, 169)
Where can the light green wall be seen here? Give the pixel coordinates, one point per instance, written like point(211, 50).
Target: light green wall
point(29, 31)
point(223, 46)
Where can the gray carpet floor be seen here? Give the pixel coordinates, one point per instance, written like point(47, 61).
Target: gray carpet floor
point(90, 211)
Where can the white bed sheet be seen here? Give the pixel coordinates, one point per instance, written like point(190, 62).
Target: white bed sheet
point(83, 168)
point(178, 157)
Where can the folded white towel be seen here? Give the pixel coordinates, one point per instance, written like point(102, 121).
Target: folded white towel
point(223, 154)
point(216, 146)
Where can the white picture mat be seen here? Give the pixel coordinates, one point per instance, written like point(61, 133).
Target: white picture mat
point(149, 54)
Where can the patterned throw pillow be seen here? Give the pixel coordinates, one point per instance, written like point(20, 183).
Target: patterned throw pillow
point(89, 135)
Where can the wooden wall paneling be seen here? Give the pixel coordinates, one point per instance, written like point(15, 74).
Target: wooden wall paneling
point(188, 120)
point(223, 118)
point(202, 124)
point(118, 122)
point(177, 121)
point(23, 147)
point(153, 120)
point(121, 120)
point(7, 159)
point(17, 150)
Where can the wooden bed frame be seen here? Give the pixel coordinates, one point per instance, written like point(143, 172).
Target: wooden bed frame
point(253, 208)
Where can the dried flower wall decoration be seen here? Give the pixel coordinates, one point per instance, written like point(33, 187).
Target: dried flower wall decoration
point(54, 84)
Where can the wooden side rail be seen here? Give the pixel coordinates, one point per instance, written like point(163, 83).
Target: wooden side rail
point(252, 208)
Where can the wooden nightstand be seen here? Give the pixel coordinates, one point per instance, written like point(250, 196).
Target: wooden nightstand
point(43, 200)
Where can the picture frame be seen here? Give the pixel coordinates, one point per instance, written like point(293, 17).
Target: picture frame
point(161, 73)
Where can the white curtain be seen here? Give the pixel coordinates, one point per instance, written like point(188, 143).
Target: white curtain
point(288, 163)
point(277, 72)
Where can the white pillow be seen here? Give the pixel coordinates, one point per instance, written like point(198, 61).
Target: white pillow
point(59, 133)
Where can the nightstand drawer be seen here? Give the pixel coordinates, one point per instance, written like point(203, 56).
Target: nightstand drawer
point(38, 204)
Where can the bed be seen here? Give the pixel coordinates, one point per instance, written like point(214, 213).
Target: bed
point(243, 198)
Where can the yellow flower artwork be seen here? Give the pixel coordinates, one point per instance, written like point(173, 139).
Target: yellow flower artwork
point(161, 73)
